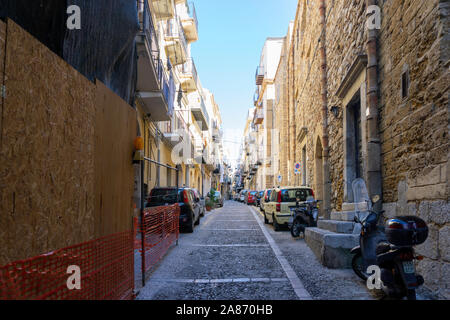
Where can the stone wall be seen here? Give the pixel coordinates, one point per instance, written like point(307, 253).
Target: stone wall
point(413, 129)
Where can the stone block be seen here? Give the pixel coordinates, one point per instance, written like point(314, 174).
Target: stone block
point(429, 249)
point(429, 176)
point(331, 249)
point(437, 191)
point(439, 212)
point(336, 226)
point(390, 210)
point(431, 271)
point(444, 243)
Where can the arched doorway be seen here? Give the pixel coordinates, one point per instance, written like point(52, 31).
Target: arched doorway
point(318, 176)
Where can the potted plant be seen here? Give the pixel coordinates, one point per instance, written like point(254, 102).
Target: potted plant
point(209, 204)
point(211, 200)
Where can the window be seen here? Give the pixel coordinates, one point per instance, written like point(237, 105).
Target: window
point(304, 180)
point(405, 83)
point(291, 195)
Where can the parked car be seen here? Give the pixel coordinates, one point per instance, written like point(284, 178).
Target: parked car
point(190, 205)
point(265, 199)
point(250, 198)
point(278, 210)
point(219, 199)
point(259, 195)
point(202, 203)
point(242, 195)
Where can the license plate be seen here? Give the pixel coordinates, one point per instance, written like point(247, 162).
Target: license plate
point(408, 267)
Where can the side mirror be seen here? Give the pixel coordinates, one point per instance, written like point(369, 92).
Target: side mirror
point(375, 199)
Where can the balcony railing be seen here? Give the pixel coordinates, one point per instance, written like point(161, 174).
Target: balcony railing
point(188, 75)
point(259, 75)
point(198, 108)
point(174, 32)
point(155, 85)
point(259, 116)
point(193, 13)
point(190, 69)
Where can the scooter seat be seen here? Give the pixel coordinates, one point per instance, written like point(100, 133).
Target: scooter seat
point(383, 248)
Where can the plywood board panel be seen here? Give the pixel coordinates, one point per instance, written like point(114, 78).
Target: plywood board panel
point(2, 66)
point(115, 131)
point(47, 151)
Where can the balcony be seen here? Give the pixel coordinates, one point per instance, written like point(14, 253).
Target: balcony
point(190, 23)
point(259, 116)
point(176, 46)
point(188, 76)
point(173, 130)
point(155, 88)
point(260, 74)
point(163, 9)
point(198, 109)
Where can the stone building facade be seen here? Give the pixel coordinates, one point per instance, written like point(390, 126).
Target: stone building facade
point(387, 112)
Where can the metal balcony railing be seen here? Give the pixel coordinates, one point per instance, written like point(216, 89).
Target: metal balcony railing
point(193, 13)
point(203, 107)
point(189, 68)
point(148, 30)
point(175, 30)
point(260, 74)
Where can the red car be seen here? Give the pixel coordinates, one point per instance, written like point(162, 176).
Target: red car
point(250, 198)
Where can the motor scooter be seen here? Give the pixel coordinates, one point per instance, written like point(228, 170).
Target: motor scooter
point(396, 257)
point(304, 215)
point(390, 248)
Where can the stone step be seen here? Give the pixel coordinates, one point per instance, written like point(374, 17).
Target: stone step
point(336, 226)
point(331, 248)
point(348, 216)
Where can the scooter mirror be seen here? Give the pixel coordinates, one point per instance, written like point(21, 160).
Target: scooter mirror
point(375, 199)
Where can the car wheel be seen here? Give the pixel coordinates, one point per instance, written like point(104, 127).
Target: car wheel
point(266, 221)
point(276, 226)
point(190, 228)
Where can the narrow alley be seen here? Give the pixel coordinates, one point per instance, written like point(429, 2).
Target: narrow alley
point(232, 255)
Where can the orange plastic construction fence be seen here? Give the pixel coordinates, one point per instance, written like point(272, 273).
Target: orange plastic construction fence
point(160, 229)
point(106, 268)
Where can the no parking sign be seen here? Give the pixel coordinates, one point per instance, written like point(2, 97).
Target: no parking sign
point(297, 168)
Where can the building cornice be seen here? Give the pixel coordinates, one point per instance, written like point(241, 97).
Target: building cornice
point(359, 65)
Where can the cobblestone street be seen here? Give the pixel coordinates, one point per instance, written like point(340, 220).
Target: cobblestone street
point(233, 255)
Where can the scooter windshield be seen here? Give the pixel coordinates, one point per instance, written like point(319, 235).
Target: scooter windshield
point(361, 196)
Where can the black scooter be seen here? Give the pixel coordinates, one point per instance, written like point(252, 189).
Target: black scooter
point(396, 257)
point(304, 215)
point(391, 249)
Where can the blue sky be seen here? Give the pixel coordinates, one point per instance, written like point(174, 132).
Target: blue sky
point(231, 37)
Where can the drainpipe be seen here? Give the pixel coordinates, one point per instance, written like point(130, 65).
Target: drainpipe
point(374, 145)
point(325, 142)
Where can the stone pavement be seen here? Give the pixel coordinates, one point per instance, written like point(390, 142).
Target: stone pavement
point(232, 255)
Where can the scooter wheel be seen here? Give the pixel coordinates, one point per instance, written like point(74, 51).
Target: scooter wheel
point(358, 266)
point(411, 294)
point(296, 229)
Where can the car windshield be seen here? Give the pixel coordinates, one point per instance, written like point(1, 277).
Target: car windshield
point(253, 193)
point(291, 195)
point(169, 196)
